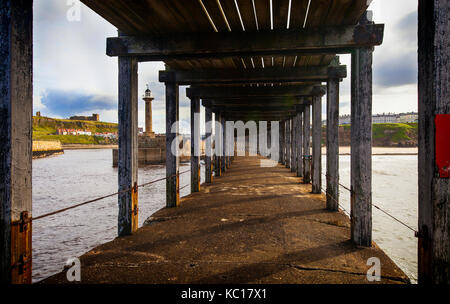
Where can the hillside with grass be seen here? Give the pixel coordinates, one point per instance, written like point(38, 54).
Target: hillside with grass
point(44, 128)
point(383, 135)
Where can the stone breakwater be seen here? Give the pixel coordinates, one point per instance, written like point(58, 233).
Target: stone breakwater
point(46, 148)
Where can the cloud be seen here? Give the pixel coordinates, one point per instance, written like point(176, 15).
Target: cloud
point(68, 103)
point(396, 71)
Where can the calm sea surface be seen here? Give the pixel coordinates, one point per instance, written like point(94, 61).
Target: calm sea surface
point(80, 175)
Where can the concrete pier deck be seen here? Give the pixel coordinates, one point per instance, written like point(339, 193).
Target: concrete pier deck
point(252, 225)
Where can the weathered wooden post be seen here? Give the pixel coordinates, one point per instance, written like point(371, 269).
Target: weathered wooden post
point(208, 146)
point(128, 145)
point(316, 140)
point(288, 143)
point(434, 138)
point(224, 143)
point(172, 141)
point(195, 144)
point(218, 145)
point(294, 144)
point(16, 106)
point(361, 146)
point(282, 142)
point(299, 140)
point(306, 144)
point(269, 139)
point(332, 141)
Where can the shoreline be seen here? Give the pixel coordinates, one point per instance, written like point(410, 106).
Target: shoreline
point(87, 146)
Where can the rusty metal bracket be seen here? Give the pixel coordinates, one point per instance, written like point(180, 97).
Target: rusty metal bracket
point(22, 263)
point(23, 222)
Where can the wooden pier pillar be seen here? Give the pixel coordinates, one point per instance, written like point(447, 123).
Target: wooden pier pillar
point(288, 143)
point(361, 147)
point(16, 106)
point(434, 121)
point(281, 140)
point(299, 140)
point(218, 145)
point(172, 144)
point(208, 146)
point(224, 144)
point(294, 144)
point(306, 144)
point(128, 145)
point(333, 144)
point(316, 140)
point(195, 144)
point(269, 139)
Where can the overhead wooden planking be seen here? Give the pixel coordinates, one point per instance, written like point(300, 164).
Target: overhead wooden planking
point(213, 76)
point(324, 40)
point(280, 14)
point(263, 10)
point(247, 14)
point(241, 91)
point(298, 13)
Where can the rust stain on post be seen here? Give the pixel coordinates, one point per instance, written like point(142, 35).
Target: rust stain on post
point(21, 254)
point(134, 208)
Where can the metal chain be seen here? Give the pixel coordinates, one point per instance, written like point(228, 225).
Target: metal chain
point(376, 207)
point(102, 198)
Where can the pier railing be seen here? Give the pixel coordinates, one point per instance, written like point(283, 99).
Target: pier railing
point(104, 197)
point(373, 205)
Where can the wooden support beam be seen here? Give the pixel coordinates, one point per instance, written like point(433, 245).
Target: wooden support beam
point(434, 109)
point(254, 108)
point(282, 142)
point(267, 75)
point(208, 146)
point(218, 145)
point(323, 40)
point(333, 144)
point(299, 141)
point(224, 144)
point(307, 145)
point(361, 147)
point(195, 144)
point(229, 92)
point(16, 107)
point(288, 142)
point(128, 145)
point(317, 143)
point(293, 144)
point(256, 101)
point(172, 159)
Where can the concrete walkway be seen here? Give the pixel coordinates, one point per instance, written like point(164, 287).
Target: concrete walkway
point(252, 225)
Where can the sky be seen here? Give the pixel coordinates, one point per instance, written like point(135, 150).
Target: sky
point(74, 76)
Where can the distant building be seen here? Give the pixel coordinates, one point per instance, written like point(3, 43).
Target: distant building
point(411, 117)
point(408, 117)
point(385, 118)
point(38, 114)
point(94, 117)
point(344, 119)
point(73, 132)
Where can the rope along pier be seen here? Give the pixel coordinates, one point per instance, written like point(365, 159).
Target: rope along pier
point(375, 206)
point(104, 197)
